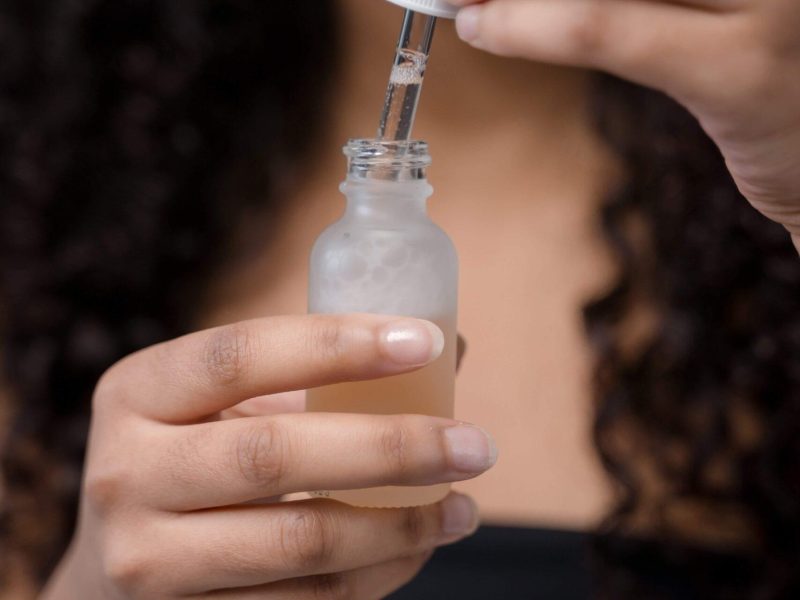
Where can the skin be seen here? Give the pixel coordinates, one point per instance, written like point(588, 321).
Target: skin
point(175, 497)
point(733, 63)
point(191, 548)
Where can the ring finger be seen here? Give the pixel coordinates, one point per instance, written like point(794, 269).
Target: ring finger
point(257, 545)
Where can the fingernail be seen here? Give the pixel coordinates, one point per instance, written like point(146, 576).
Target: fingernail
point(467, 23)
point(459, 516)
point(471, 449)
point(412, 342)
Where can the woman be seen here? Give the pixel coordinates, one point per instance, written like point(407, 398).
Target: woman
point(149, 145)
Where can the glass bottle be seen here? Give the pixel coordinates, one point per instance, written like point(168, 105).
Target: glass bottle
point(385, 256)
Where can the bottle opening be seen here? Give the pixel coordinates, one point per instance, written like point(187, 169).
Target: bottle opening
point(387, 160)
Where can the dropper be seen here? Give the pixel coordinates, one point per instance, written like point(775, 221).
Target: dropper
point(408, 73)
point(408, 69)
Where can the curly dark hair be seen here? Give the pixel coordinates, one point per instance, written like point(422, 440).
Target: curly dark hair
point(136, 136)
point(706, 409)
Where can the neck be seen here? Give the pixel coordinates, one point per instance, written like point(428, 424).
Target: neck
point(389, 203)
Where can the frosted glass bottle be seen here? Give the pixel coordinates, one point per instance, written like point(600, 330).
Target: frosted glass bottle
point(385, 256)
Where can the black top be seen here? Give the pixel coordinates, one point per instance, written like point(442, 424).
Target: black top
point(501, 563)
point(507, 563)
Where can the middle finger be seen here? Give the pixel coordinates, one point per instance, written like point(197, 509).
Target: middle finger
point(236, 461)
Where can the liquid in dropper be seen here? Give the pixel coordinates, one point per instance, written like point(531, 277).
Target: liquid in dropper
point(408, 74)
point(410, 70)
point(402, 97)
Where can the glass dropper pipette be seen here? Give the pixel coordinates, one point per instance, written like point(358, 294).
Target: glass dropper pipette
point(408, 73)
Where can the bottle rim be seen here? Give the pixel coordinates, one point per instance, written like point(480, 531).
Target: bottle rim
point(387, 159)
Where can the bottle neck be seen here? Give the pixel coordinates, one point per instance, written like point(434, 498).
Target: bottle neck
point(386, 203)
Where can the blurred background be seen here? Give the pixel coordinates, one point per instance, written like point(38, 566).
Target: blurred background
point(631, 322)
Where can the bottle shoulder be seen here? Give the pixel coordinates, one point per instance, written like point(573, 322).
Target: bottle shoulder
point(345, 230)
point(424, 239)
point(399, 270)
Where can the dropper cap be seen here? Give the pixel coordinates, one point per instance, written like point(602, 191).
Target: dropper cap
point(434, 8)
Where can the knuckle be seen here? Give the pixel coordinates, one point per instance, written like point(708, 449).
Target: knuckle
point(127, 570)
point(745, 84)
point(179, 462)
point(587, 33)
point(414, 526)
point(394, 446)
point(332, 586)
point(498, 25)
point(307, 539)
point(777, 33)
point(228, 354)
point(328, 339)
point(104, 490)
point(261, 455)
point(764, 79)
point(109, 388)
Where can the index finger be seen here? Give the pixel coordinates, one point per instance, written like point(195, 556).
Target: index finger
point(191, 378)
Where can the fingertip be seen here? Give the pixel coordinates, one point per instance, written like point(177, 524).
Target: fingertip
point(468, 23)
point(460, 517)
point(412, 342)
point(470, 449)
point(437, 339)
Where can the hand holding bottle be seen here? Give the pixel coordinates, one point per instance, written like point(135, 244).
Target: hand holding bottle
point(173, 500)
point(734, 64)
